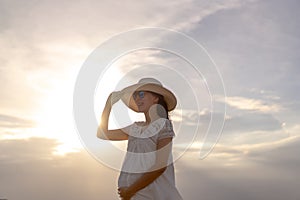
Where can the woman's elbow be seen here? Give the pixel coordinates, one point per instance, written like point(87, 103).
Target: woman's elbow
point(163, 169)
point(160, 171)
point(101, 134)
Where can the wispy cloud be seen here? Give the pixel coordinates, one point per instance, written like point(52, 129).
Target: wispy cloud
point(244, 103)
point(15, 122)
point(242, 121)
point(248, 121)
point(185, 15)
point(239, 153)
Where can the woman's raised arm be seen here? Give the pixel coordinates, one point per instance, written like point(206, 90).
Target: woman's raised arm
point(103, 132)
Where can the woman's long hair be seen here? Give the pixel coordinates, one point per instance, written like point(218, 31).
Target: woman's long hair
point(162, 110)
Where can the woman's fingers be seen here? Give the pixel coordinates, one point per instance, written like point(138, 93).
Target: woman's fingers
point(116, 96)
point(123, 193)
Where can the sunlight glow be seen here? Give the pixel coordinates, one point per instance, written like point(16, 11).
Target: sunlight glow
point(55, 118)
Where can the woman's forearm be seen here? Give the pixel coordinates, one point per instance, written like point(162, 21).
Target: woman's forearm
point(103, 127)
point(145, 180)
point(103, 132)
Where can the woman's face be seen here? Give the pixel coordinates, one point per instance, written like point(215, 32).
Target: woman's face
point(144, 100)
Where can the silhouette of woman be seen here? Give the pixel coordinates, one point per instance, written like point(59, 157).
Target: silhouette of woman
point(147, 171)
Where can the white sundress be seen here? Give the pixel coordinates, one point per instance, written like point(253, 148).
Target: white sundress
point(140, 156)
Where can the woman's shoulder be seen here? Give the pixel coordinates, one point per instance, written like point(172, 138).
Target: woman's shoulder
point(160, 120)
point(163, 124)
point(168, 124)
point(166, 129)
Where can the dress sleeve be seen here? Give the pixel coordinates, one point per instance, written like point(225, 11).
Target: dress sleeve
point(127, 129)
point(166, 131)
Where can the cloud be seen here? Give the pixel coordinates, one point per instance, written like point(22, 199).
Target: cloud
point(30, 167)
point(235, 122)
point(59, 19)
point(61, 40)
point(228, 173)
point(186, 15)
point(254, 47)
point(15, 122)
point(243, 103)
point(250, 147)
point(284, 156)
point(15, 126)
point(242, 172)
point(247, 122)
point(250, 182)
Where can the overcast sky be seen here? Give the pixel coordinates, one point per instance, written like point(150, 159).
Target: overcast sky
point(254, 43)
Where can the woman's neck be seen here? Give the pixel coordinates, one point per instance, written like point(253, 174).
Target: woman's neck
point(148, 118)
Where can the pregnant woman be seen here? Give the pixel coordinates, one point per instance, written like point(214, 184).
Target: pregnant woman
point(147, 171)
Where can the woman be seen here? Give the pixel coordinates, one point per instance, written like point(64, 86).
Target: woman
point(147, 171)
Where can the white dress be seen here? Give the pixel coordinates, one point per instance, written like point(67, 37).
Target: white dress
point(140, 156)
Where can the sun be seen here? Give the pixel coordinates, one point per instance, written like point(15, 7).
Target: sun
point(53, 114)
point(55, 119)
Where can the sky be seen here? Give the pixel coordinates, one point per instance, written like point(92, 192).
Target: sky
point(253, 44)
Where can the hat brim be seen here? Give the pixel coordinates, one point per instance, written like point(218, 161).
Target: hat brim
point(127, 93)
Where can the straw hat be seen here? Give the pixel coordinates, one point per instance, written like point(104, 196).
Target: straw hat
point(148, 84)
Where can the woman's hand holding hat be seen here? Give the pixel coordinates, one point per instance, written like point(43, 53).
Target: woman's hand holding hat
point(115, 96)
